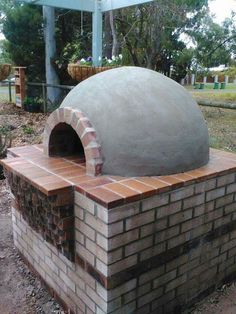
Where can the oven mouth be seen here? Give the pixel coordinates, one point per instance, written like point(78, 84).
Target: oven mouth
point(64, 141)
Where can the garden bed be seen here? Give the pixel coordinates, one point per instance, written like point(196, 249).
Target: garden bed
point(26, 127)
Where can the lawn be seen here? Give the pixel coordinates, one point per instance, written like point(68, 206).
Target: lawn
point(215, 96)
point(221, 122)
point(4, 93)
point(222, 127)
point(208, 93)
point(229, 86)
point(209, 86)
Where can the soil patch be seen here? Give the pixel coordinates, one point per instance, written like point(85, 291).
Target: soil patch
point(26, 128)
point(222, 301)
point(20, 291)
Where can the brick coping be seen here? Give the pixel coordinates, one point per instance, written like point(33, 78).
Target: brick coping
point(54, 174)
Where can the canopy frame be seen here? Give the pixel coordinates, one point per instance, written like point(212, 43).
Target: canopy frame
point(97, 8)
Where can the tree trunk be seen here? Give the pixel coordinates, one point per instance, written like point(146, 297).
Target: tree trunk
point(115, 47)
point(53, 94)
point(107, 36)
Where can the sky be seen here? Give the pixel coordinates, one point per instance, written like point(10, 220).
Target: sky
point(222, 8)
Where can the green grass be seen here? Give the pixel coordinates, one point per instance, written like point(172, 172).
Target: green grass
point(221, 122)
point(28, 129)
point(209, 86)
point(216, 96)
point(227, 87)
point(4, 93)
point(222, 127)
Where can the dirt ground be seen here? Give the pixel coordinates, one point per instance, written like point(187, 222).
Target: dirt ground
point(221, 301)
point(20, 291)
point(26, 128)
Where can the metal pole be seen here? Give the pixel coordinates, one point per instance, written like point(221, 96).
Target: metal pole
point(9, 88)
point(97, 34)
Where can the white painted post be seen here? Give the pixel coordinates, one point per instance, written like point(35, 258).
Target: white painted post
point(226, 79)
point(50, 50)
point(97, 34)
point(216, 79)
point(192, 79)
point(204, 79)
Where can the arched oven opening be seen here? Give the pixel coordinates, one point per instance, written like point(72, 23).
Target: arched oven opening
point(64, 141)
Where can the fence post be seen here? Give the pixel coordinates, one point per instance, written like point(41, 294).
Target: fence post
point(44, 98)
point(193, 79)
point(9, 89)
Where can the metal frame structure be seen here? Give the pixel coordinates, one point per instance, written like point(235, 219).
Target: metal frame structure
point(97, 8)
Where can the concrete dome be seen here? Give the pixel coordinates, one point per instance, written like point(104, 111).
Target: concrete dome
point(146, 123)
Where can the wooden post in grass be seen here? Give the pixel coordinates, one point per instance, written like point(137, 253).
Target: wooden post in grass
point(9, 89)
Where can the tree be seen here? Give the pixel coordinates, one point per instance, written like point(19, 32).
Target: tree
point(182, 61)
point(230, 41)
point(4, 55)
point(5, 7)
point(212, 48)
point(150, 33)
point(74, 39)
point(27, 48)
point(23, 30)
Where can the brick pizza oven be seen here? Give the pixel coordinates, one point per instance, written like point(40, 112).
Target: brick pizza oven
point(123, 209)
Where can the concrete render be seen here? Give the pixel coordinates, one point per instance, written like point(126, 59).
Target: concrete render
point(147, 124)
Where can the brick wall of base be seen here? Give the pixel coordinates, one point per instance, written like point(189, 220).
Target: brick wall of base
point(157, 255)
point(51, 216)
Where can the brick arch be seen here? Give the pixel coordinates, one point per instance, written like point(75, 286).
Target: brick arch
point(85, 131)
